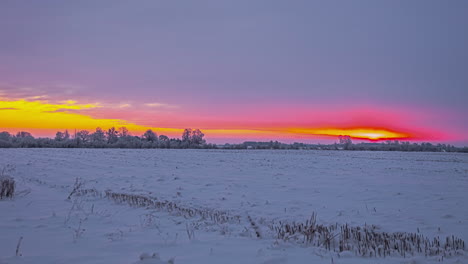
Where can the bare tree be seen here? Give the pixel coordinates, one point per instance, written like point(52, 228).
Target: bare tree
point(24, 134)
point(164, 141)
point(112, 135)
point(187, 136)
point(59, 136)
point(66, 135)
point(98, 136)
point(149, 135)
point(83, 136)
point(123, 132)
point(197, 137)
point(346, 141)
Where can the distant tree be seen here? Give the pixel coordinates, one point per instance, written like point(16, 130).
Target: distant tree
point(345, 139)
point(276, 145)
point(187, 136)
point(163, 138)
point(62, 136)
point(149, 135)
point(24, 134)
point(112, 135)
point(5, 139)
point(59, 136)
point(130, 142)
point(177, 143)
point(66, 135)
point(24, 139)
point(197, 137)
point(5, 136)
point(194, 138)
point(123, 132)
point(164, 141)
point(83, 136)
point(346, 142)
point(98, 136)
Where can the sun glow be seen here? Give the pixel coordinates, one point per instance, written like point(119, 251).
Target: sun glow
point(358, 133)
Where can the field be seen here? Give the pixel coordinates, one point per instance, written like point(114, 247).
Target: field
point(215, 206)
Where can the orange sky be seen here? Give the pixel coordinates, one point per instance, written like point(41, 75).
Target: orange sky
point(43, 117)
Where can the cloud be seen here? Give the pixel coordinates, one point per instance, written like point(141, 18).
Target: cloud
point(125, 105)
point(43, 106)
point(37, 98)
point(9, 108)
point(67, 110)
point(51, 92)
point(68, 102)
point(160, 105)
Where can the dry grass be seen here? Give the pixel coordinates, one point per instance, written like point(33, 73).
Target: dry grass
point(365, 241)
point(135, 200)
point(7, 183)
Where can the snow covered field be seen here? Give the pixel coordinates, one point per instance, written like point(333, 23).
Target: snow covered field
point(424, 193)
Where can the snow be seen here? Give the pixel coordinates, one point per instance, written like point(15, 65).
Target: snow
point(395, 191)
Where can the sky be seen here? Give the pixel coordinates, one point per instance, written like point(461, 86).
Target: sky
point(240, 70)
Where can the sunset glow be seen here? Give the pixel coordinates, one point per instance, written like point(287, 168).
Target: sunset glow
point(358, 133)
point(44, 118)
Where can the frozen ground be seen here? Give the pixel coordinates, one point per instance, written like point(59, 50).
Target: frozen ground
point(396, 191)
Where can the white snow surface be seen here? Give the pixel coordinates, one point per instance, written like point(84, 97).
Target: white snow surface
point(396, 191)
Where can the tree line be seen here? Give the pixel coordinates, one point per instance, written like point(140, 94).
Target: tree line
point(194, 138)
point(110, 138)
point(345, 143)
